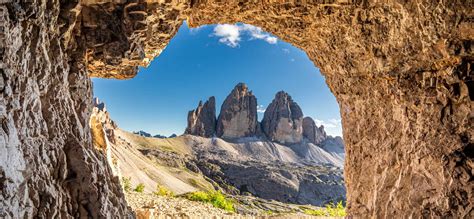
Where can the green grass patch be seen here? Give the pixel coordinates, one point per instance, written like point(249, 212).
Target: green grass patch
point(332, 210)
point(140, 188)
point(163, 191)
point(216, 198)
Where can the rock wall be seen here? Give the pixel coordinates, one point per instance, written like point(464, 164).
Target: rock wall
point(283, 120)
point(238, 116)
point(312, 132)
point(400, 70)
point(48, 167)
point(202, 120)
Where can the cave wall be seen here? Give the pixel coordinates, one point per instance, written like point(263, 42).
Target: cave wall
point(400, 70)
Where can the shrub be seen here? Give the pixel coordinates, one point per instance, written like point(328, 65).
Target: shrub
point(193, 182)
point(331, 210)
point(216, 198)
point(126, 184)
point(163, 191)
point(140, 188)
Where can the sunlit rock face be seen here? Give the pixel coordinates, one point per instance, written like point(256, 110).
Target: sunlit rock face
point(103, 133)
point(202, 120)
point(312, 132)
point(283, 120)
point(400, 70)
point(238, 116)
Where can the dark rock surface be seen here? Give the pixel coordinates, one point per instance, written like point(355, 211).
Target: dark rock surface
point(312, 132)
point(202, 120)
point(266, 172)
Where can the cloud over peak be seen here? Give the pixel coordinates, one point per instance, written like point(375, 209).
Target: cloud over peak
point(261, 109)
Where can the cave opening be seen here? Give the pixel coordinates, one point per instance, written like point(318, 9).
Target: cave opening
point(149, 120)
point(401, 73)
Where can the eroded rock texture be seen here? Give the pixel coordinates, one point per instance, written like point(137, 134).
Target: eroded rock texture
point(400, 70)
point(283, 120)
point(48, 167)
point(238, 116)
point(202, 120)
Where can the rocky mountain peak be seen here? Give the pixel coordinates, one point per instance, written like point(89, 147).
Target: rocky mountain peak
point(202, 120)
point(312, 132)
point(283, 118)
point(96, 103)
point(238, 116)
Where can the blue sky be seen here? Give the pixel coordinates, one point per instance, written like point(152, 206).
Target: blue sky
point(210, 61)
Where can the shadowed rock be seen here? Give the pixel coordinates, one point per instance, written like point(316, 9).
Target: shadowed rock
point(312, 132)
point(238, 116)
point(202, 120)
point(283, 120)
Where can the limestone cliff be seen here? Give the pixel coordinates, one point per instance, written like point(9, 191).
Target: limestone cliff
point(202, 120)
point(401, 72)
point(283, 120)
point(238, 116)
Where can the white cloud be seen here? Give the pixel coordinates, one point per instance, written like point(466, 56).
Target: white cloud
point(196, 30)
point(331, 126)
point(230, 34)
point(261, 109)
point(331, 123)
point(292, 59)
point(257, 33)
point(285, 50)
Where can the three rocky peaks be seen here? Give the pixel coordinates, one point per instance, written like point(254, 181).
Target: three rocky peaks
point(282, 122)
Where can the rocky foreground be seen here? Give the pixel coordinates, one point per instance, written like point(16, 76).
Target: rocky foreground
point(152, 206)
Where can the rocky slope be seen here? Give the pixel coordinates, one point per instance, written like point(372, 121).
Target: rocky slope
point(250, 167)
point(401, 72)
point(271, 171)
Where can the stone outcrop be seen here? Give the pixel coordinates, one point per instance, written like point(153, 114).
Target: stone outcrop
point(103, 134)
point(100, 120)
point(312, 132)
point(283, 120)
point(238, 116)
point(401, 72)
point(202, 120)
